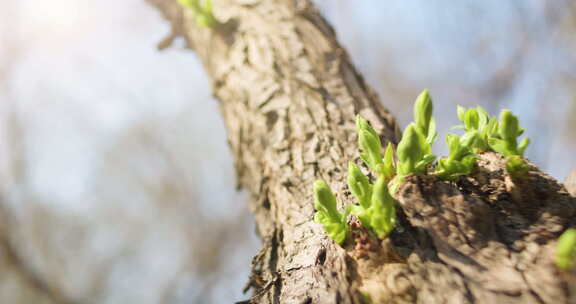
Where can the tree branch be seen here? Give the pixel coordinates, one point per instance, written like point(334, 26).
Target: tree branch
point(289, 94)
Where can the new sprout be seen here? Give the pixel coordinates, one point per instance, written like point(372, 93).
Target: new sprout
point(202, 10)
point(377, 209)
point(506, 143)
point(369, 143)
point(476, 120)
point(423, 121)
point(359, 185)
point(461, 160)
point(334, 223)
point(566, 249)
point(382, 211)
point(508, 132)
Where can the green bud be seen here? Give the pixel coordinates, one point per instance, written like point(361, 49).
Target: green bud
point(509, 128)
point(382, 210)
point(504, 140)
point(388, 169)
point(431, 134)
point(469, 139)
point(337, 232)
point(423, 109)
point(483, 117)
point(202, 10)
point(566, 249)
point(332, 221)
point(370, 145)
point(359, 185)
point(461, 161)
point(409, 151)
point(362, 124)
point(369, 142)
point(453, 143)
point(448, 169)
point(491, 127)
point(324, 200)
point(424, 124)
point(500, 146)
point(471, 119)
point(476, 120)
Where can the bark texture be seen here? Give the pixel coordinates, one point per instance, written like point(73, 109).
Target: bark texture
point(289, 94)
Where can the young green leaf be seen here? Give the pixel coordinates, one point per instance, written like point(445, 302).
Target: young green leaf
point(388, 168)
point(477, 120)
point(491, 128)
point(566, 249)
point(423, 109)
point(370, 145)
point(334, 223)
point(374, 211)
point(469, 139)
point(461, 160)
point(508, 132)
point(499, 145)
point(382, 211)
point(414, 154)
point(359, 185)
point(369, 142)
point(508, 129)
point(202, 10)
point(471, 119)
point(409, 151)
point(455, 147)
point(423, 121)
point(483, 118)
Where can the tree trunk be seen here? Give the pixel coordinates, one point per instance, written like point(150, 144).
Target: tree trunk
point(289, 96)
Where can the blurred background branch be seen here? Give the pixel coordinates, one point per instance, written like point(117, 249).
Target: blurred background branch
point(117, 183)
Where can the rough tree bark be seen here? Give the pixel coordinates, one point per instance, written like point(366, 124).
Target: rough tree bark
point(289, 94)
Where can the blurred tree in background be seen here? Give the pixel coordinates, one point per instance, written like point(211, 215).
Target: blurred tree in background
point(117, 182)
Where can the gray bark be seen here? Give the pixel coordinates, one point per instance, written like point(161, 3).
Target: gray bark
point(289, 94)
